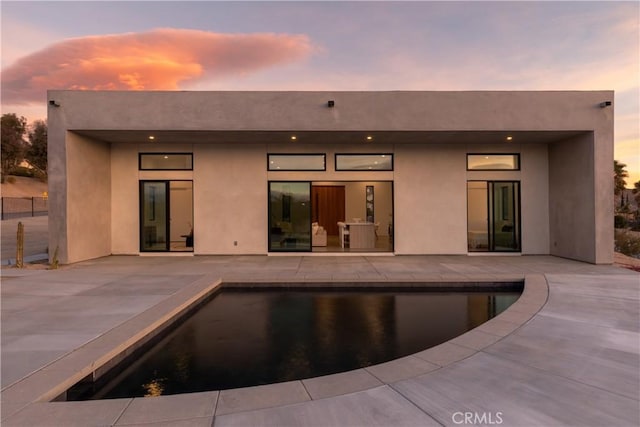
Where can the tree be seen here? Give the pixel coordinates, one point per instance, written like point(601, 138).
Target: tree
point(13, 145)
point(636, 193)
point(37, 151)
point(620, 174)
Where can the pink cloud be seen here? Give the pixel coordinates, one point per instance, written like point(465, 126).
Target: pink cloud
point(161, 59)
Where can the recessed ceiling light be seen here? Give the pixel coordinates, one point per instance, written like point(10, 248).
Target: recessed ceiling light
point(369, 137)
point(509, 138)
point(293, 137)
point(151, 137)
point(166, 157)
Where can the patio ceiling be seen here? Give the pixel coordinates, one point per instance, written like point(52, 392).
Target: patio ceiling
point(329, 137)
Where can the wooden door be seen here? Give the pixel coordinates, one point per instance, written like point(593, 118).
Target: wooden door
point(327, 206)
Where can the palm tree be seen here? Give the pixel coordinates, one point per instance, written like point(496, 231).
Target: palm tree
point(619, 177)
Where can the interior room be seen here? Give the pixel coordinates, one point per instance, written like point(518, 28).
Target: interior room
point(331, 216)
point(364, 210)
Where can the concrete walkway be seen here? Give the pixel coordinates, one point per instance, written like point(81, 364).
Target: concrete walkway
point(566, 353)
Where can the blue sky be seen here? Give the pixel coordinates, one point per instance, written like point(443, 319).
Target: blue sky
point(328, 46)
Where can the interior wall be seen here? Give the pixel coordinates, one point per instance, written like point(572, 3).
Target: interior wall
point(571, 191)
point(181, 209)
point(355, 195)
point(88, 198)
point(477, 212)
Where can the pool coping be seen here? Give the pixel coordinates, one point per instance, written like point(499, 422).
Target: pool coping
point(35, 392)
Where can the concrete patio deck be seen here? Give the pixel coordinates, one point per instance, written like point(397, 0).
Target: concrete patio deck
point(566, 353)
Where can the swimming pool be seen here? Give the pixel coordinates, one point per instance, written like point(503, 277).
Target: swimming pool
point(247, 337)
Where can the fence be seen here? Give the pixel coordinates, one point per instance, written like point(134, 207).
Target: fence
point(18, 207)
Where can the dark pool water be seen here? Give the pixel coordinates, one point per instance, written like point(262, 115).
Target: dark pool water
point(247, 338)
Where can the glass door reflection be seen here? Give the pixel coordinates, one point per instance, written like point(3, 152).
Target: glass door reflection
point(154, 216)
point(290, 216)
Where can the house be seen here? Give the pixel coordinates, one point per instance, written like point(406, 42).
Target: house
point(404, 172)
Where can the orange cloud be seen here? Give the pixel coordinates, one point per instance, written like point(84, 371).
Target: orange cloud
point(161, 59)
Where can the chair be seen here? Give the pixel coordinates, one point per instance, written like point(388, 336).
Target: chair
point(344, 233)
point(318, 235)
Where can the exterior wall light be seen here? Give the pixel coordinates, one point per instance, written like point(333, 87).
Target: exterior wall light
point(53, 103)
point(331, 103)
point(605, 104)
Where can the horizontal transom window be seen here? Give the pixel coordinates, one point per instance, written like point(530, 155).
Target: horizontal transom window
point(296, 162)
point(364, 162)
point(493, 162)
point(166, 161)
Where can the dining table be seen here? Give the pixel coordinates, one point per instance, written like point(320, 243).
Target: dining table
point(362, 235)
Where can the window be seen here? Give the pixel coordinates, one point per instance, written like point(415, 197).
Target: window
point(364, 162)
point(165, 161)
point(296, 162)
point(493, 162)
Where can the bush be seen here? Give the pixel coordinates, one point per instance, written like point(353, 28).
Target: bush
point(619, 221)
point(627, 243)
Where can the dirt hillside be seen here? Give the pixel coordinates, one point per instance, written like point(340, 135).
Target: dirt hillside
point(23, 187)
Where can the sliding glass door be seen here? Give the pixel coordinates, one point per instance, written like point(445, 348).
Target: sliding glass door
point(493, 216)
point(166, 216)
point(290, 216)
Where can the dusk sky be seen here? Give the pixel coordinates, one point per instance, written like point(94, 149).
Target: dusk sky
point(302, 45)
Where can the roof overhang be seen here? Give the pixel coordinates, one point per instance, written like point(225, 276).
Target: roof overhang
point(326, 137)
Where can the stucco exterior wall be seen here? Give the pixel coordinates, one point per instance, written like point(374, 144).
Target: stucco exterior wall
point(566, 196)
point(353, 111)
point(534, 199)
point(125, 206)
point(572, 198)
point(88, 198)
point(430, 200)
point(230, 196)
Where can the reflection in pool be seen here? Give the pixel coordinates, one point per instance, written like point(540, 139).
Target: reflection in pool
point(247, 337)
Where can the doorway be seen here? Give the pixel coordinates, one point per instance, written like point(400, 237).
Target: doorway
point(166, 216)
point(493, 216)
point(304, 216)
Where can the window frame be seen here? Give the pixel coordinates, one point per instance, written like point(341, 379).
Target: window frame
point(324, 161)
point(140, 155)
point(516, 156)
point(336, 155)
